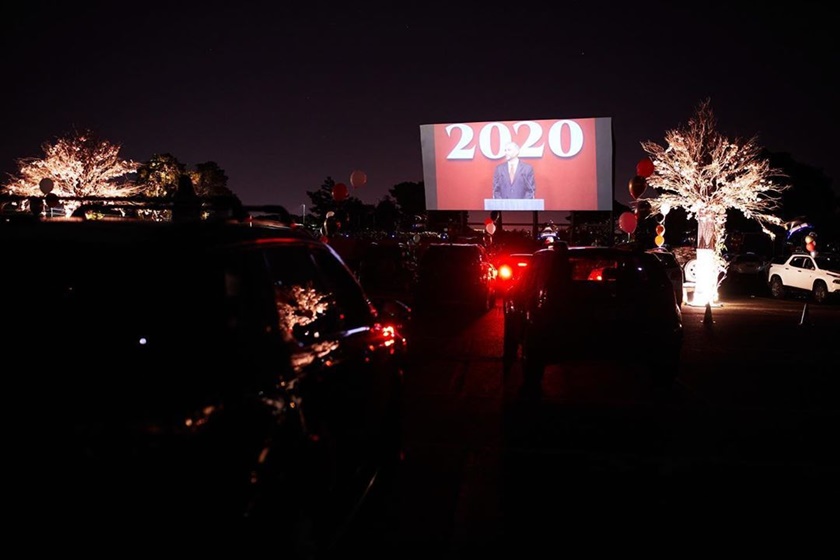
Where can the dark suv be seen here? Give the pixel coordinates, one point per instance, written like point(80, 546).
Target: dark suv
point(593, 302)
point(203, 370)
point(455, 276)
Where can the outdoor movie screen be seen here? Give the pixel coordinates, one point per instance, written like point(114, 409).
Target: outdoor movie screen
point(560, 165)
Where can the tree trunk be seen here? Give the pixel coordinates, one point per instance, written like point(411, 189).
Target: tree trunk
point(705, 288)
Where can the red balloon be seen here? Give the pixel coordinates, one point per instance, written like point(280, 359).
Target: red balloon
point(644, 168)
point(642, 209)
point(810, 246)
point(637, 186)
point(358, 178)
point(340, 192)
point(46, 185)
point(627, 222)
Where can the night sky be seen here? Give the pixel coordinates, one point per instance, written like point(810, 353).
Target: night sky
point(283, 95)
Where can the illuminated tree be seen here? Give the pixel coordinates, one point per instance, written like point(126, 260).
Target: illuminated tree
point(706, 174)
point(210, 180)
point(79, 164)
point(159, 176)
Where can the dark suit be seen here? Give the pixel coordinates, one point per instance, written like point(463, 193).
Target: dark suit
point(523, 185)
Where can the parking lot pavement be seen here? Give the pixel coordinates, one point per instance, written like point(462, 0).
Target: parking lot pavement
point(747, 429)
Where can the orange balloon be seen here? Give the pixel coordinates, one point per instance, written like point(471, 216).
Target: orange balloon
point(659, 240)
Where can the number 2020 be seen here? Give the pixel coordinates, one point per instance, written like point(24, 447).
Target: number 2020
point(532, 147)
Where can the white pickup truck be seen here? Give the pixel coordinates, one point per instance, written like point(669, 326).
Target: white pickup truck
point(804, 273)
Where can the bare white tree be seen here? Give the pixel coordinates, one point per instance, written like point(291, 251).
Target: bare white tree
point(78, 164)
point(706, 174)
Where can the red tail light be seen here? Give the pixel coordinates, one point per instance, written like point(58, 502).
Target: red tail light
point(505, 272)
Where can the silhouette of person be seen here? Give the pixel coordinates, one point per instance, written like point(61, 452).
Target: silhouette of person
point(186, 205)
point(514, 178)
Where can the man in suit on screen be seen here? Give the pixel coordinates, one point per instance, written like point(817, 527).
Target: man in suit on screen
point(514, 178)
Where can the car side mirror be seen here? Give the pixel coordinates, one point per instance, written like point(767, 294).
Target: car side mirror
point(393, 311)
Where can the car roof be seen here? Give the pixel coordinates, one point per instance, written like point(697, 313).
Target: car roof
point(126, 231)
point(456, 246)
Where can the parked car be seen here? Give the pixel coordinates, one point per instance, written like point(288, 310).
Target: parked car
point(454, 275)
point(747, 264)
point(596, 302)
point(194, 371)
point(673, 269)
point(804, 273)
point(387, 269)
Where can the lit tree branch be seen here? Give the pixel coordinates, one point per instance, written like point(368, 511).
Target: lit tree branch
point(702, 170)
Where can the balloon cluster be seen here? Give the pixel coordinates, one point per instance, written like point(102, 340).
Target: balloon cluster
point(628, 221)
point(660, 234)
point(36, 204)
point(341, 192)
point(638, 184)
point(811, 242)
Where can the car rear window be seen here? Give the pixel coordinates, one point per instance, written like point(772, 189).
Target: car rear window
point(450, 254)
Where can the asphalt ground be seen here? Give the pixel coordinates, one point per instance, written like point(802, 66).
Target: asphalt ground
point(748, 428)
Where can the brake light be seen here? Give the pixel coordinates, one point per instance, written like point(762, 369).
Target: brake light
point(505, 272)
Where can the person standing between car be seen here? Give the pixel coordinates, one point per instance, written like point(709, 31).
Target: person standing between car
point(186, 205)
point(514, 178)
point(560, 276)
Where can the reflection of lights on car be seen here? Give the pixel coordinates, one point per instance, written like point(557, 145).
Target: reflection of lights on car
point(390, 335)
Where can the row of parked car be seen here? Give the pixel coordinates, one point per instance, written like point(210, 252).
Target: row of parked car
point(559, 302)
point(469, 274)
point(464, 275)
point(207, 368)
